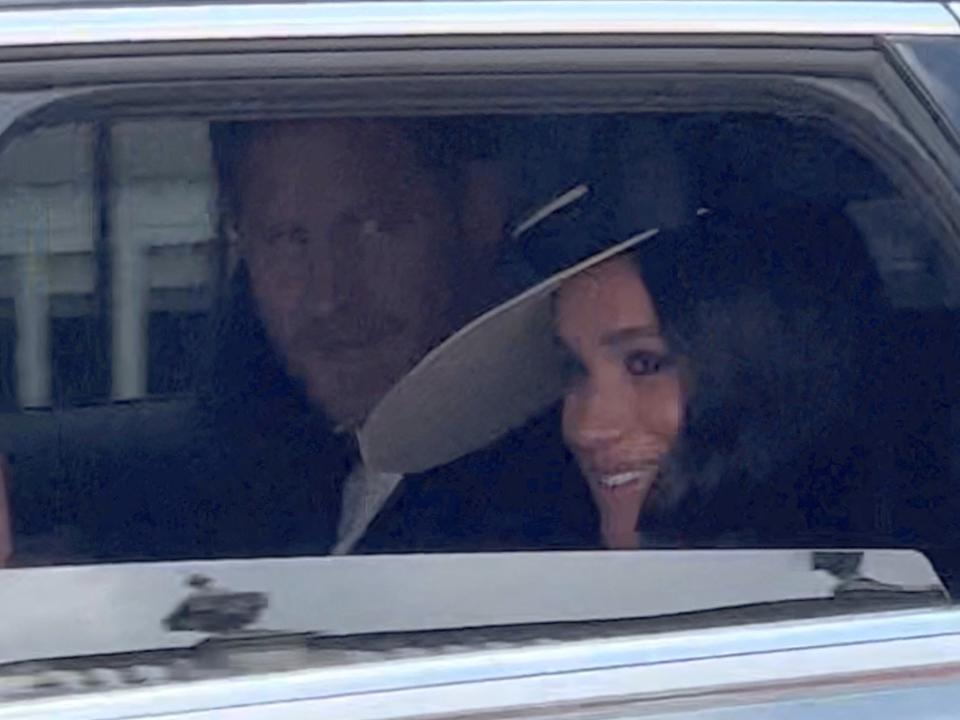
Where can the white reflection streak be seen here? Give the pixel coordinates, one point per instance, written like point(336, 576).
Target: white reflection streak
point(27, 222)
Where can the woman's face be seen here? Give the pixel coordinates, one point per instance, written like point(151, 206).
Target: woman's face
point(623, 405)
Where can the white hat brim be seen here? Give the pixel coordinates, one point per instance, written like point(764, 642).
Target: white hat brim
point(490, 377)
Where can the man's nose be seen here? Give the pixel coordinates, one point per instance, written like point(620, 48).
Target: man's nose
point(319, 292)
point(334, 278)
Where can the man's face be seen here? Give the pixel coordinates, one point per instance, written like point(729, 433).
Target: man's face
point(343, 232)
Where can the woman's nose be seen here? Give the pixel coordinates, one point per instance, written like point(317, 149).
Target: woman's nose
point(591, 437)
point(601, 418)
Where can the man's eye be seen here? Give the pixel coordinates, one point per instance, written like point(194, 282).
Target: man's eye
point(369, 230)
point(298, 239)
point(645, 363)
point(290, 239)
point(374, 233)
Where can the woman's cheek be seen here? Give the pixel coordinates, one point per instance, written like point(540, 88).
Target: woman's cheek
point(574, 418)
point(660, 399)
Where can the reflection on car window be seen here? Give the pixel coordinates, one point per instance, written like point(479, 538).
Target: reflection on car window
point(281, 338)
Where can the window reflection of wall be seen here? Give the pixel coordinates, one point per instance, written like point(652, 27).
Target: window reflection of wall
point(47, 252)
point(104, 261)
point(161, 225)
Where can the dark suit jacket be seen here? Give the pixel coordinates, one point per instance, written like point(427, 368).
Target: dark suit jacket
point(522, 493)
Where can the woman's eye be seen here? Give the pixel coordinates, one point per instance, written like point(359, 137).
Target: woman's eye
point(645, 363)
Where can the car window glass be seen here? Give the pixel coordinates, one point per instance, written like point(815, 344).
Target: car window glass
point(199, 318)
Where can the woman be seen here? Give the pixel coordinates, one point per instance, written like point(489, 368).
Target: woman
point(689, 362)
point(754, 369)
point(623, 404)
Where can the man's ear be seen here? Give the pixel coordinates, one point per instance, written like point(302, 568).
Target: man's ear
point(232, 250)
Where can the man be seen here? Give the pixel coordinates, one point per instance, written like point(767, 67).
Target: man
point(349, 242)
point(350, 247)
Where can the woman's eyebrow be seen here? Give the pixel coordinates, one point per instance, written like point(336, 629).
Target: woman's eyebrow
point(629, 334)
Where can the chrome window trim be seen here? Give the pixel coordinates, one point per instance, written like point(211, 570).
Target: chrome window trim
point(246, 21)
point(921, 644)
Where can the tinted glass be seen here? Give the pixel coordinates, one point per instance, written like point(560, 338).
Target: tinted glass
point(200, 320)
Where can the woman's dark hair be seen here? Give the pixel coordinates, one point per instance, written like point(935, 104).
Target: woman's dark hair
point(779, 317)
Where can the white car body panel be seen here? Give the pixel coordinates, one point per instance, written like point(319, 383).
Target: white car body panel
point(239, 21)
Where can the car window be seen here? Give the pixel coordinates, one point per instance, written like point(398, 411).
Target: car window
point(64, 219)
point(226, 338)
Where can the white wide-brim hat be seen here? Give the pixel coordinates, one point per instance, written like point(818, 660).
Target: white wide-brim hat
point(503, 368)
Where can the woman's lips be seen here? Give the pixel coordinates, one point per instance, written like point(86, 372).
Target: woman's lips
point(624, 476)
